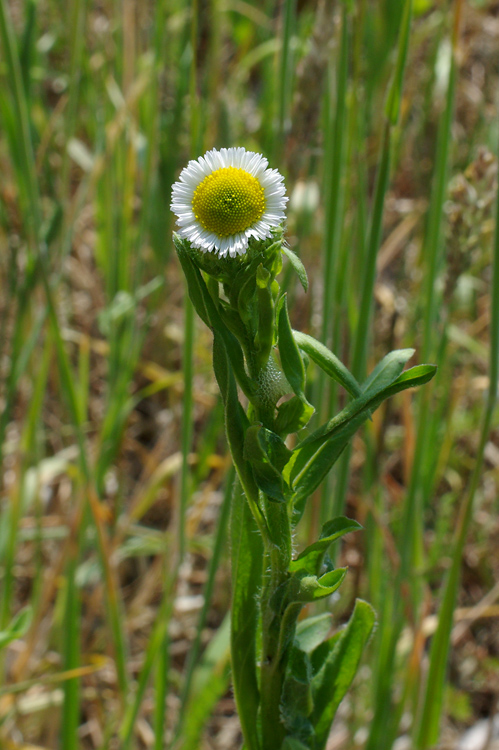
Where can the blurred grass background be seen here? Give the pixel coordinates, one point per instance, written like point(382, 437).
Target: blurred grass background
point(115, 483)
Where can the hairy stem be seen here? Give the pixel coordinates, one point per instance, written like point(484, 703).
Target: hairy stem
point(273, 604)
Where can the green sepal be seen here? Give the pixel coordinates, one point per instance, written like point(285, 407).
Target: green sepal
point(311, 559)
point(293, 415)
point(339, 667)
point(328, 362)
point(297, 266)
point(291, 360)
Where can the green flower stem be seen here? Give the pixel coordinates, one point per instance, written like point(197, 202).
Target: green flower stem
point(281, 700)
point(247, 556)
point(276, 534)
point(273, 665)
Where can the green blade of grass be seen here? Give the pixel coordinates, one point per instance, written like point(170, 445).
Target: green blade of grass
point(154, 648)
point(410, 543)
point(427, 728)
point(361, 339)
point(334, 186)
point(208, 592)
point(285, 72)
point(160, 692)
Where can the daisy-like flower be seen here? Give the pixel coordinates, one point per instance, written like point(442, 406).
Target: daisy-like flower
point(226, 197)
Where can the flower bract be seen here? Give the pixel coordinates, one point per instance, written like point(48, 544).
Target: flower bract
point(226, 197)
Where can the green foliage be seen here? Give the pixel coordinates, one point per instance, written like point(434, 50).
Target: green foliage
point(303, 677)
point(98, 112)
point(339, 665)
point(291, 361)
point(247, 564)
point(17, 627)
point(312, 557)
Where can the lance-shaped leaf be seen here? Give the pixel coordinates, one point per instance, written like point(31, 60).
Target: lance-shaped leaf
point(236, 421)
point(246, 300)
point(207, 311)
point(293, 415)
point(312, 631)
point(314, 457)
point(386, 371)
point(384, 374)
point(313, 588)
point(297, 265)
point(328, 362)
point(267, 454)
point(312, 558)
point(291, 360)
point(195, 292)
point(264, 338)
point(296, 700)
point(332, 681)
point(411, 378)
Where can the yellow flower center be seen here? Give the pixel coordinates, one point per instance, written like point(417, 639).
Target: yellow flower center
point(228, 201)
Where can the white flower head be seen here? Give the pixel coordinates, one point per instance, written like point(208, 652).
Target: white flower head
point(226, 197)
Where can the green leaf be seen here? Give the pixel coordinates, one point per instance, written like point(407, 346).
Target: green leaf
point(264, 339)
point(297, 266)
point(267, 454)
point(296, 700)
point(386, 371)
point(328, 362)
point(392, 106)
point(195, 291)
point(291, 743)
point(312, 588)
point(312, 631)
point(17, 627)
point(291, 360)
point(293, 415)
point(311, 559)
point(246, 300)
point(207, 311)
point(236, 421)
point(314, 457)
point(275, 448)
point(247, 560)
point(268, 479)
point(330, 685)
point(210, 681)
point(412, 378)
